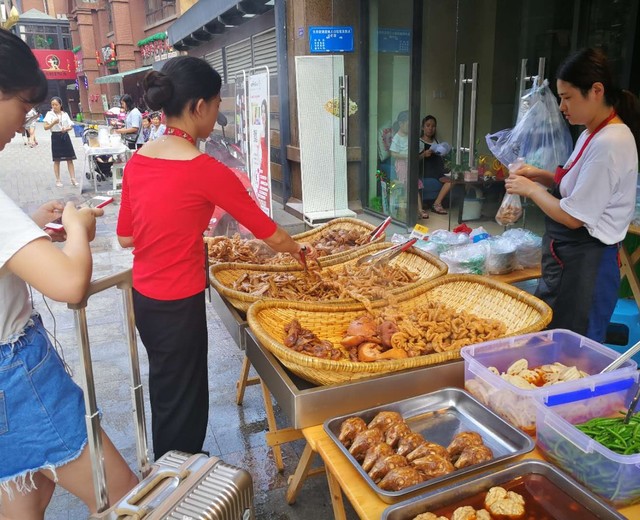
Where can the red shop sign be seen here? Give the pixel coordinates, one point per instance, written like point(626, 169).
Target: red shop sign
point(56, 64)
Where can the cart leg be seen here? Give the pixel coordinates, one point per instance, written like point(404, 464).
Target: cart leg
point(241, 385)
point(271, 421)
point(244, 380)
point(300, 475)
point(336, 497)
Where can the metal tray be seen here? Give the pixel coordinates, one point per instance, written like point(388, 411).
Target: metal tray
point(439, 416)
point(460, 493)
point(306, 404)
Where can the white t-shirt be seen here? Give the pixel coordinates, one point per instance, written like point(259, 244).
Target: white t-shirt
point(16, 231)
point(600, 189)
point(65, 120)
point(134, 119)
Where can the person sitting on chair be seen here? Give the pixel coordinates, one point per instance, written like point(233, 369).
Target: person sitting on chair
point(432, 161)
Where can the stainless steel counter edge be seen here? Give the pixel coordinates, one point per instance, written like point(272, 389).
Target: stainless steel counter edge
point(230, 318)
point(312, 406)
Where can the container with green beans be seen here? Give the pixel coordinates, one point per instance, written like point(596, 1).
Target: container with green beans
point(588, 440)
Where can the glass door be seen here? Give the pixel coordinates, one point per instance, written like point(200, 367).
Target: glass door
point(390, 137)
point(479, 56)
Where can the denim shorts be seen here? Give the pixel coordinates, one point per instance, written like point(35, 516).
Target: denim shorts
point(41, 409)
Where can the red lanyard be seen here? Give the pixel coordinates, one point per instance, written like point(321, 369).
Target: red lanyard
point(171, 130)
point(560, 171)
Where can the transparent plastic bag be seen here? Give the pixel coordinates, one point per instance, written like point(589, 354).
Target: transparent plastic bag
point(540, 136)
point(445, 240)
point(528, 247)
point(510, 209)
point(468, 259)
point(501, 258)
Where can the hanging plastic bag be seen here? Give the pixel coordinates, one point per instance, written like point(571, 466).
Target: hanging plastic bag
point(540, 136)
point(510, 210)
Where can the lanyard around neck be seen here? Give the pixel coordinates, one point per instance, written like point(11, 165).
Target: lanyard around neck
point(561, 172)
point(171, 130)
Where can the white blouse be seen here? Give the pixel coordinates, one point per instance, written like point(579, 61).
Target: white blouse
point(63, 123)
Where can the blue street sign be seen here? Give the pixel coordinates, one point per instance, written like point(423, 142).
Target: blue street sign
point(331, 39)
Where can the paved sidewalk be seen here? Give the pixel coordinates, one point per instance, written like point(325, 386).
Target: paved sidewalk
point(236, 433)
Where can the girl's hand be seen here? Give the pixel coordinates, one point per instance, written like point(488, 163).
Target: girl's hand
point(48, 212)
point(520, 185)
point(83, 219)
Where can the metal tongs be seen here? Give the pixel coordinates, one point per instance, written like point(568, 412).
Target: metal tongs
point(386, 255)
point(632, 407)
point(621, 359)
point(378, 231)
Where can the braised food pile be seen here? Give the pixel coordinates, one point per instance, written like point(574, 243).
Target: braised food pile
point(238, 249)
point(396, 457)
point(392, 334)
point(498, 504)
point(347, 282)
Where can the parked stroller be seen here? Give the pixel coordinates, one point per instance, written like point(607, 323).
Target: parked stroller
point(101, 165)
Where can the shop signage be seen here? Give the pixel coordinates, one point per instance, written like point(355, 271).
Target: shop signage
point(330, 39)
point(259, 146)
point(56, 64)
point(108, 55)
point(395, 41)
point(79, 61)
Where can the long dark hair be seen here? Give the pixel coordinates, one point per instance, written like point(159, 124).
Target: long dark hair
point(424, 120)
point(181, 82)
point(589, 66)
point(128, 101)
point(20, 73)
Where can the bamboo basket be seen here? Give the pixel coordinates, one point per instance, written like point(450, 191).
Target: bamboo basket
point(518, 310)
point(224, 275)
point(337, 223)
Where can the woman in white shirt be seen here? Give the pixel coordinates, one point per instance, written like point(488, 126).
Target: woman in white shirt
point(43, 435)
point(59, 122)
point(592, 198)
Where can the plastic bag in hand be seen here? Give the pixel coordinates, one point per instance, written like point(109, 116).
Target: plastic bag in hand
point(510, 210)
point(541, 136)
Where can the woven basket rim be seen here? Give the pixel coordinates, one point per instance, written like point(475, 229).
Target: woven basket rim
point(239, 296)
point(306, 235)
point(310, 362)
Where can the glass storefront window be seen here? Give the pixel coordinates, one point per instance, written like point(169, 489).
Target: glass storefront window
point(390, 116)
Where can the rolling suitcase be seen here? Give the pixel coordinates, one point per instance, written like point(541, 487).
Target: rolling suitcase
point(178, 485)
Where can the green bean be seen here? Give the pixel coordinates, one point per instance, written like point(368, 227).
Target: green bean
point(614, 434)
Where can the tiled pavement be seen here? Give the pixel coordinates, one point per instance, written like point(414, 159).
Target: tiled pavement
point(236, 433)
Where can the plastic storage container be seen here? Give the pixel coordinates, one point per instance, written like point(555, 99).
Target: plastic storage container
point(614, 477)
point(517, 405)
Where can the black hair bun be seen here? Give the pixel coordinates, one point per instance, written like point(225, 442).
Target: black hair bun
point(158, 89)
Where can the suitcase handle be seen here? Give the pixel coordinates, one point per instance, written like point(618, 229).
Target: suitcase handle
point(128, 504)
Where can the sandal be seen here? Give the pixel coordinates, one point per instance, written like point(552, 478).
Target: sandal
point(59, 184)
point(437, 208)
point(74, 182)
point(423, 214)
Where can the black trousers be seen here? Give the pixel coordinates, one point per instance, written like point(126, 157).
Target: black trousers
point(174, 334)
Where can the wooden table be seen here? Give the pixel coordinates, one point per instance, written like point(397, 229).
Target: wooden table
point(343, 477)
point(519, 275)
point(628, 262)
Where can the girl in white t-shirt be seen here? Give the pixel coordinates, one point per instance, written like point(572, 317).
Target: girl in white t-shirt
point(43, 436)
point(592, 198)
point(59, 122)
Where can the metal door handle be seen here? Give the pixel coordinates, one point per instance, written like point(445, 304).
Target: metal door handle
point(472, 119)
point(523, 74)
point(460, 114)
point(472, 116)
point(343, 108)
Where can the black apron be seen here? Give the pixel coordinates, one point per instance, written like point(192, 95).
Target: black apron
point(571, 263)
point(580, 275)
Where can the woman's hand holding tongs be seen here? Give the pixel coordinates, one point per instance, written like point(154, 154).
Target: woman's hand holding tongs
point(306, 252)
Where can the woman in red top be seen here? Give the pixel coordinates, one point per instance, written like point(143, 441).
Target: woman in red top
point(169, 192)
